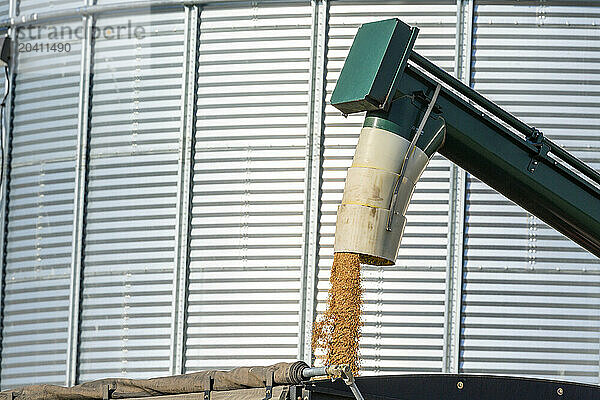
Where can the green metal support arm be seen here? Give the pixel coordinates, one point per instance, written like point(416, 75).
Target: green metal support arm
point(488, 142)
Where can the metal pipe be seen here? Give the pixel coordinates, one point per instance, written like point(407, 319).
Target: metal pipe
point(471, 94)
point(80, 204)
point(573, 161)
point(503, 115)
point(335, 372)
point(183, 219)
point(308, 373)
point(557, 195)
point(313, 167)
point(36, 18)
point(355, 391)
point(409, 153)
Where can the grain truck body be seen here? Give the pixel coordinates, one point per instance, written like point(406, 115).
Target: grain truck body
point(290, 381)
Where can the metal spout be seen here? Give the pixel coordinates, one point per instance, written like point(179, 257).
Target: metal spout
point(362, 218)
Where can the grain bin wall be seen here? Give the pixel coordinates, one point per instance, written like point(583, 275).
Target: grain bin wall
point(170, 188)
point(531, 296)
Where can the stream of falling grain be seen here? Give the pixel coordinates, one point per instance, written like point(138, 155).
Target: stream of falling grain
point(336, 334)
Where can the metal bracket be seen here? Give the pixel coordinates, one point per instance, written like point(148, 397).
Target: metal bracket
point(348, 379)
point(409, 153)
point(421, 98)
point(107, 392)
point(305, 394)
point(535, 160)
point(294, 390)
point(536, 138)
point(269, 384)
point(334, 372)
point(208, 384)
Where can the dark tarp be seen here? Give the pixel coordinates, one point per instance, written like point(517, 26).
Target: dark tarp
point(238, 378)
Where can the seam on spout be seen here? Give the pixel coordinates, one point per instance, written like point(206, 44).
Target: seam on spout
point(378, 169)
point(365, 205)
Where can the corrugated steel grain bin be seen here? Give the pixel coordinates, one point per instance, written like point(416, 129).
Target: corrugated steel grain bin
point(171, 180)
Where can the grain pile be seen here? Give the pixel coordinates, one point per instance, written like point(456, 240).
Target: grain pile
point(337, 332)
